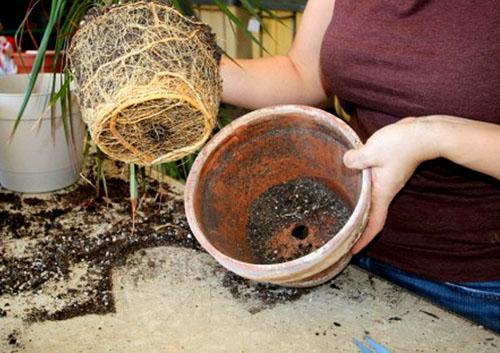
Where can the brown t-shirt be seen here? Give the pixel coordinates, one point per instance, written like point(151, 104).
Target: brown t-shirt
point(392, 59)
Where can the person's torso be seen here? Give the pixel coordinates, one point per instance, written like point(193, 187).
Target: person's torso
point(393, 59)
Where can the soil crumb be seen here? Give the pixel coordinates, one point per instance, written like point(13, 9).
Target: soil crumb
point(292, 219)
point(13, 339)
point(262, 295)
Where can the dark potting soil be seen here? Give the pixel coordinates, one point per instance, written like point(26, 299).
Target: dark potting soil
point(12, 338)
point(292, 219)
point(267, 295)
point(60, 246)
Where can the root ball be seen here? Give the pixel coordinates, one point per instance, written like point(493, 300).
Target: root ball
point(148, 81)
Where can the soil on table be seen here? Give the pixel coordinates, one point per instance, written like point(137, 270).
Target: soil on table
point(292, 219)
point(63, 248)
point(58, 250)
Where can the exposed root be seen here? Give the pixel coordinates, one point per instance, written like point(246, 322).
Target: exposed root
point(148, 81)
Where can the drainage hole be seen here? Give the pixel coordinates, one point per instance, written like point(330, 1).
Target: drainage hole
point(300, 232)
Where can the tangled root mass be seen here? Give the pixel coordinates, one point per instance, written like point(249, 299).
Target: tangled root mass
point(148, 81)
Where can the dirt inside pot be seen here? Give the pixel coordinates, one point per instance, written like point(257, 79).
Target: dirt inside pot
point(294, 218)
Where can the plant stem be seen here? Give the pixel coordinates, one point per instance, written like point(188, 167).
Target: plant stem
point(98, 172)
point(133, 193)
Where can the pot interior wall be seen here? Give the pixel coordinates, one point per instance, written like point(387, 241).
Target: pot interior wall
point(258, 156)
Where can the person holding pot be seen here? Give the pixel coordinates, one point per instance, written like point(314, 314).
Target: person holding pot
point(422, 79)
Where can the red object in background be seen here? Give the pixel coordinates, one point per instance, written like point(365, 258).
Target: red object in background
point(28, 59)
point(12, 41)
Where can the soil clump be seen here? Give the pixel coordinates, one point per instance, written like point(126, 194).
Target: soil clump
point(292, 219)
point(58, 249)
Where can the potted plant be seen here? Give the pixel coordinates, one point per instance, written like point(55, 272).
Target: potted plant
point(42, 151)
point(45, 154)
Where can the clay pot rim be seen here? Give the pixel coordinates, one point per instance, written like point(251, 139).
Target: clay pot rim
point(319, 257)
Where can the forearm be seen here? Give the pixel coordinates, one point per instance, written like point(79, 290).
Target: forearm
point(470, 143)
point(393, 152)
point(258, 83)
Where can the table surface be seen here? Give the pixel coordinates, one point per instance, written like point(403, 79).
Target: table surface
point(172, 299)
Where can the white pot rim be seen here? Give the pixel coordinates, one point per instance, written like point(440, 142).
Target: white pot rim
point(41, 75)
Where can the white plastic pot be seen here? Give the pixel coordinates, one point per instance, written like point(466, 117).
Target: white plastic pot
point(39, 157)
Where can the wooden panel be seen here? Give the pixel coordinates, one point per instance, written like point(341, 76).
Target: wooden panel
point(280, 37)
point(235, 42)
point(230, 38)
point(298, 18)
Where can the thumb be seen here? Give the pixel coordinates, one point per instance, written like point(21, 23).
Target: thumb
point(357, 159)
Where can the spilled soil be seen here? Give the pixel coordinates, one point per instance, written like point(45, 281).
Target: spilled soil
point(64, 247)
point(268, 295)
point(294, 218)
point(57, 251)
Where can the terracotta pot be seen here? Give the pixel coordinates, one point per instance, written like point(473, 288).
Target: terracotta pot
point(28, 60)
point(256, 152)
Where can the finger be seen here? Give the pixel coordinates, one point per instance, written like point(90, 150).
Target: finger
point(376, 221)
point(357, 159)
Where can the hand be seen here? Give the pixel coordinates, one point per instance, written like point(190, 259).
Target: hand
point(393, 153)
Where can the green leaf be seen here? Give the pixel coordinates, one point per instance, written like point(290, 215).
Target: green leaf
point(253, 10)
point(133, 192)
point(87, 145)
point(233, 18)
point(55, 11)
point(171, 169)
point(184, 6)
point(98, 173)
point(20, 30)
point(133, 182)
point(257, 4)
point(142, 169)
